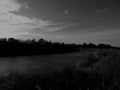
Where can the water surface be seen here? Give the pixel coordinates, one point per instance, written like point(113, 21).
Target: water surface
point(37, 64)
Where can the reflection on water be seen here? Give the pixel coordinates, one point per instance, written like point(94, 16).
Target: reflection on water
point(35, 64)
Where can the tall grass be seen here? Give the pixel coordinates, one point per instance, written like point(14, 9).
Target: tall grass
point(103, 75)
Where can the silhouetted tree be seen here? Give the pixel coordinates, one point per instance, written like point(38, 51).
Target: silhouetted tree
point(104, 46)
point(15, 47)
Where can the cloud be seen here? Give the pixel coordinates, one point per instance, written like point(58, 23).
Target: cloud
point(101, 11)
point(12, 25)
point(9, 5)
point(109, 36)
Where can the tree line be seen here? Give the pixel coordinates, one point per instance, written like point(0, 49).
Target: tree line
point(17, 47)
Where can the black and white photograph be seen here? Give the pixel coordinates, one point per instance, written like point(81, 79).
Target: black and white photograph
point(59, 44)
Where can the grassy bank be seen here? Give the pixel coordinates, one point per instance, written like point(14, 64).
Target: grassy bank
point(100, 72)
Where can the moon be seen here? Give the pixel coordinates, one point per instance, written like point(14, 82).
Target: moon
point(66, 12)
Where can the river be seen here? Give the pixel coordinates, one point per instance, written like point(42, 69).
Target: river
point(37, 64)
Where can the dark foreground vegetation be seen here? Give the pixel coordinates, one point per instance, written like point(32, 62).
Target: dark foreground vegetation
point(16, 47)
point(100, 72)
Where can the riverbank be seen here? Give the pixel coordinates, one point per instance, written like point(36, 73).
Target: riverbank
point(101, 71)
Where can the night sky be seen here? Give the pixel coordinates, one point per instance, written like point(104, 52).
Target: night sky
point(69, 21)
